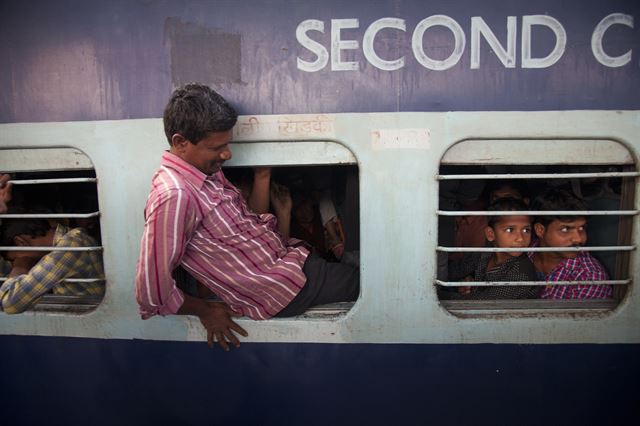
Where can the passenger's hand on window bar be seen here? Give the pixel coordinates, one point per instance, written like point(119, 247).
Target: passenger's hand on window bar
point(5, 192)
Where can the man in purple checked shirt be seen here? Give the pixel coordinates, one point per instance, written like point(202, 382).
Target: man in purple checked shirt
point(565, 231)
point(196, 219)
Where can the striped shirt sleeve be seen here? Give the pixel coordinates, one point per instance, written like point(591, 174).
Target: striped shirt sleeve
point(170, 220)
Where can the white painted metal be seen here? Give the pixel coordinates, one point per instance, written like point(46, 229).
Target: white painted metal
point(70, 280)
point(398, 219)
point(49, 215)
point(538, 175)
point(540, 213)
point(550, 148)
point(526, 283)
point(291, 153)
point(41, 181)
point(43, 159)
point(531, 249)
point(49, 248)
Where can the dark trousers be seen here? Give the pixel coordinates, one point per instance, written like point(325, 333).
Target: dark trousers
point(327, 282)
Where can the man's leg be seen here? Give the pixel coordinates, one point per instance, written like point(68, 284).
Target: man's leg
point(327, 282)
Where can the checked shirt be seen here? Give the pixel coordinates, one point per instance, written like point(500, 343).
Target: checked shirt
point(18, 293)
point(584, 267)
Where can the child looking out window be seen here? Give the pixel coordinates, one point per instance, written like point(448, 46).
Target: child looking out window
point(503, 231)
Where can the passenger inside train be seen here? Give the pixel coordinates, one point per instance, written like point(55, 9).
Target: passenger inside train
point(238, 255)
point(512, 188)
point(566, 231)
point(505, 231)
point(30, 274)
point(470, 230)
point(5, 198)
point(549, 231)
point(297, 200)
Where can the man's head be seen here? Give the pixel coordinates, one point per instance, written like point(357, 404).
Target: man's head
point(27, 232)
point(507, 189)
point(556, 230)
point(509, 230)
point(198, 123)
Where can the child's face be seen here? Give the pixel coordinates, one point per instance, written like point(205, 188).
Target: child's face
point(510, 231)
point(563, 233)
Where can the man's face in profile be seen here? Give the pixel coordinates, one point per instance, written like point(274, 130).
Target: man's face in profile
point(208, 154)
point(563, 233)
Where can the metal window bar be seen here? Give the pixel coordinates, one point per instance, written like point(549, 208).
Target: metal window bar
point(45, 248)
point(538, 213)
point(538, 175)
point(70, 280)
point(528, 307)
point(55, 216)
point(50, 215)
point(54, 180)
point(535, 213)
point(530, 249)
point(528, 283)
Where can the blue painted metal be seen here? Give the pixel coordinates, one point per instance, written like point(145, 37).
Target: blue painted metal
point(150, 382)
point(94, 60)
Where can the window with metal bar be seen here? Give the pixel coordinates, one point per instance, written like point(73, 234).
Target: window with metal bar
point(53, 190)
point(601, 173)
point(324, 213)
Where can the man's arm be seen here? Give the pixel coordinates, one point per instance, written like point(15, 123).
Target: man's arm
point(282, 205)
point(170, 221)
point(5, 192)
point(5, 197)
point(258, 201)
point(28, 283)
point(216, 319)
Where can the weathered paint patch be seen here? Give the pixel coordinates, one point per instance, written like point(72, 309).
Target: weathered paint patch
point(302, 126)
point(199, 54)
point(401, 139)
point(41, 72)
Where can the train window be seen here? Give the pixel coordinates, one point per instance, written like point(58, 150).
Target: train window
point(54, 210)
point(324, 212)
point(315, 171)
point(476, 277)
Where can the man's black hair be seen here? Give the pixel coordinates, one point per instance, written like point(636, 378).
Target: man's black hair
point(517, 184)
point(505, 204)
point(27, 226)
point(34, 227)
point(195, 110)
point(556, 199)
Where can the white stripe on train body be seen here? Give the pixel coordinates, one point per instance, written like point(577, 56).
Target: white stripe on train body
point(398, 157)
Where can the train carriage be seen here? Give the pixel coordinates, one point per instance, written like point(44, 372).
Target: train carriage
point(409, 104)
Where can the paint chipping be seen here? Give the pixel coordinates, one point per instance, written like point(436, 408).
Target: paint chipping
point(199, 54)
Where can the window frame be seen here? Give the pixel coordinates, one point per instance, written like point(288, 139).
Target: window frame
point(298, 153)
point(51, 160)
point(494, 152)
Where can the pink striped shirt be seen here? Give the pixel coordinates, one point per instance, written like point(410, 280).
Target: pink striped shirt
point(203, 223)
